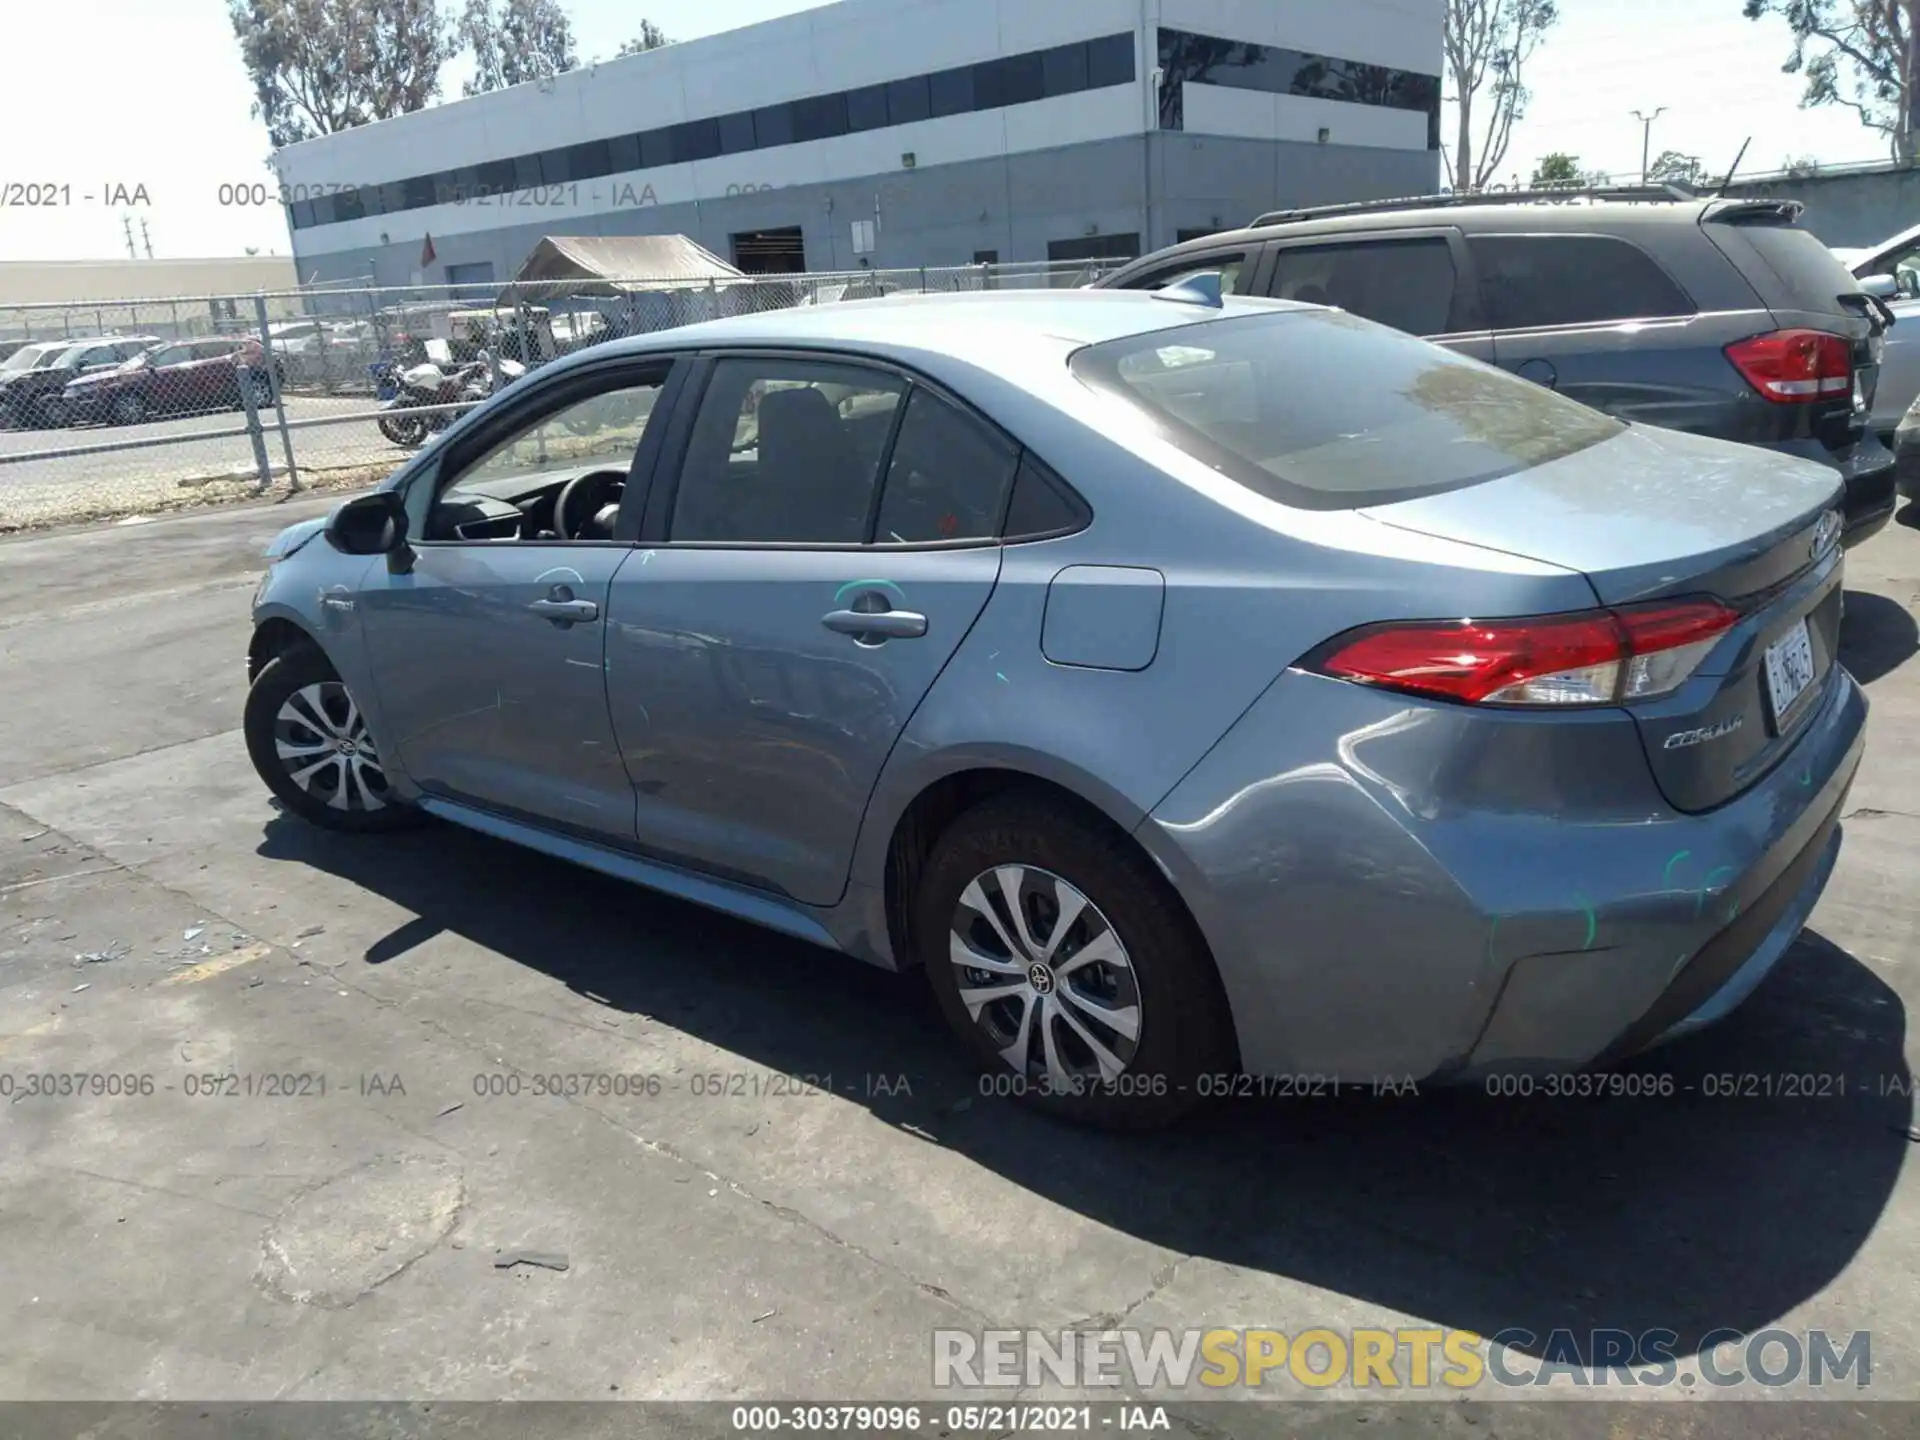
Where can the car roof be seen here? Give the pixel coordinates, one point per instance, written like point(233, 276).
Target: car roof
point(984, 327)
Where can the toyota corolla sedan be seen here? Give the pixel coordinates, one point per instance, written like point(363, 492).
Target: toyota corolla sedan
point(1193, 687)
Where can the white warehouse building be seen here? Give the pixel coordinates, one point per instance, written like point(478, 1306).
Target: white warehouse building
point(897, 133)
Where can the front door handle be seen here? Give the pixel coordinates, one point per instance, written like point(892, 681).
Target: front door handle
point(876, 625)
point(561, 607)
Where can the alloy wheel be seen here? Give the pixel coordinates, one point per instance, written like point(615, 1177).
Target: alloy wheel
point(323, 741)
point(1045, 976)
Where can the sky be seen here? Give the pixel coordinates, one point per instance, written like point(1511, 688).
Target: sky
point(158, 131)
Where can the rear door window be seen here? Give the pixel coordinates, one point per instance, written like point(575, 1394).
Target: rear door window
point(1531, 281)
point(1407, 284)
point(948, 477)
point(1325, 411)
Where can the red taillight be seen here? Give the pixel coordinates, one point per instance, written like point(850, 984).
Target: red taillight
point(1795, 367)
point(1596, 657)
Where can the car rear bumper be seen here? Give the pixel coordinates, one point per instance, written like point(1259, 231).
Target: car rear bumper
point(1868, 468)
point(1442, 893)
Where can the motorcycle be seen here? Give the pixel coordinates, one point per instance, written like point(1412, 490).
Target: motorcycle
point(421, 387)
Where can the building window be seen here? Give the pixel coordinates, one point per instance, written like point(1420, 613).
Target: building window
point(952, 91)
point(526, 172)
point(589, 161)
point(696, 140)
point(736, 133)
point(773, 126)
point(867, 108)
point(909, 100)
point(1243, 65)
point(1109, 61)
point(1063, 70)
point(986, 257)
point(656, 149)
point(623, 154)
point(819, 118)
point(493, 178)
point(1011, 80)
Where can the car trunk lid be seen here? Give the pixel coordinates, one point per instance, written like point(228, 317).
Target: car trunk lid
point(1656, 514)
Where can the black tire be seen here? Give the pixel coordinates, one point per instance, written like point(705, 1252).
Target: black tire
point(345, 795)
point(128, 409)
point(407, 431)
point(1184, 1027)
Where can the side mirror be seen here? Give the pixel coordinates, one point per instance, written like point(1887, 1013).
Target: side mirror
point(373, 524)
point(1881, 287)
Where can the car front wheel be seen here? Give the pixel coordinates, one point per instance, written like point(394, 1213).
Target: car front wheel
point(129, 409)
point(1070, 967)
point(308, 739)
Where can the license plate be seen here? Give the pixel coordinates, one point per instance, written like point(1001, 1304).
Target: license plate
point(1789, 668)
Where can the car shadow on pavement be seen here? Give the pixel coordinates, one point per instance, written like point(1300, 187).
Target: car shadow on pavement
point(1739, 1184)
point(1877, 635)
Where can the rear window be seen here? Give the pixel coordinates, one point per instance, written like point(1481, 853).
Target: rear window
point(1324, 411)
point(1527, 281)
point(1809, 275)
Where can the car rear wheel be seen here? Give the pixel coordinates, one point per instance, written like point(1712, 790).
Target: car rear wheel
point(1069, 967)
point(129, 409)
point(308, 739)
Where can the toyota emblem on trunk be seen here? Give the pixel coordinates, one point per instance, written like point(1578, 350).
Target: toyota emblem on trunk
point(1825, 533)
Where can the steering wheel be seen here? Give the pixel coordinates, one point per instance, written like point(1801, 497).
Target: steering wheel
point(563, 504)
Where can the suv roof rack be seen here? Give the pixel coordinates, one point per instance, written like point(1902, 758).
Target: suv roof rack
point(1670, 193)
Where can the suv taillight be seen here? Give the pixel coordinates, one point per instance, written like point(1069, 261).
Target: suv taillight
point(1589, 657)
point(1795, 367)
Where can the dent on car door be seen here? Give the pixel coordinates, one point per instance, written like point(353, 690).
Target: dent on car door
point(487, 651)
point(764, 653)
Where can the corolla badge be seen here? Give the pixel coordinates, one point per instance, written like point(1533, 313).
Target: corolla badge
point(1825, 533)
point(1681, 739)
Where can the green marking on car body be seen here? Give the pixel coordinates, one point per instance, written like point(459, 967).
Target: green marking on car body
point(1673, 862)
point(840, 594)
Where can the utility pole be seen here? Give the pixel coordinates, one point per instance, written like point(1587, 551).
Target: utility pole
point(1646, 137)
point(126, 226)
point(146, 239)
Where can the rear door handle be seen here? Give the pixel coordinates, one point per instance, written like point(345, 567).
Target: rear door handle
point(879, 625)
point(565, 612)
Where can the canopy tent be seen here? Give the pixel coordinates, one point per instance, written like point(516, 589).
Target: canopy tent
point(589, 266)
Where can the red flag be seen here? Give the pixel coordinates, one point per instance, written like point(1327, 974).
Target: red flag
point(426, 253)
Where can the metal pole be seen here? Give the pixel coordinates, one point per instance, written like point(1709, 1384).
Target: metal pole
point(1646, 137)
point(262, 466)
point(273, 383)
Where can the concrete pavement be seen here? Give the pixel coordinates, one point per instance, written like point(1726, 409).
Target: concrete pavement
point(448, 1050)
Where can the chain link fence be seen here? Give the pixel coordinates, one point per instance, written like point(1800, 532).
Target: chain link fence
point(137, 406)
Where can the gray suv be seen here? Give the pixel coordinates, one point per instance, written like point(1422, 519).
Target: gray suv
point(1718, 317)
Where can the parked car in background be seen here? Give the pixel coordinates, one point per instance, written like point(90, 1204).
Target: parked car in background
point(1161, 747)
point(1717, 317)
point(1891, 270)
point(18, 367)
point(175, 377)
point(34, 396)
